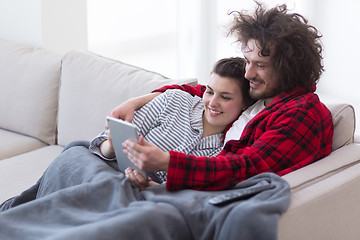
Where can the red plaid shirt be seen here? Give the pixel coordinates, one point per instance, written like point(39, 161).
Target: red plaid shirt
point(295, 130)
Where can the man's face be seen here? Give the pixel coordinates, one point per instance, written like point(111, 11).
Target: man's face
point(264, 80)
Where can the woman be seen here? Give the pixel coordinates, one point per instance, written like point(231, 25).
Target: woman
point(178, 121)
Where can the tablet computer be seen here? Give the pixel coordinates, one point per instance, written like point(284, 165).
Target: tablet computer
point(120, 131)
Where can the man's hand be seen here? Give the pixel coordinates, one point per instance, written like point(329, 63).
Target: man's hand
point(126, 110)
point(146, 156)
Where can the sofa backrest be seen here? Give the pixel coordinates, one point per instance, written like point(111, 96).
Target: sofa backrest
point(91, 85)
point(29, 85)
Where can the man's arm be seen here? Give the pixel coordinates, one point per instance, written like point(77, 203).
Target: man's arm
point(281, 142)
point(292, 141)
point(197, 90)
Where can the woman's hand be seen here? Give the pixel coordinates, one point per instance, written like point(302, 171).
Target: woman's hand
point(146, 156)
point(138, 180)
point(124, 111)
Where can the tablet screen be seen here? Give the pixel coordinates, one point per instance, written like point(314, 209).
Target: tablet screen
point(121, 131)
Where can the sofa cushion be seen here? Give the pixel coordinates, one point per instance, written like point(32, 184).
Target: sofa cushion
point(12, 144)
point(92, 85)
point(29, 85)
point(21, 172)
point(344, 124)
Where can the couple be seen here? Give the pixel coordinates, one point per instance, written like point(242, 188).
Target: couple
point(288, 126)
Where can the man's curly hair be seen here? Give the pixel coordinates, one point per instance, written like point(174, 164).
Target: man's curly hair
point(298, 51)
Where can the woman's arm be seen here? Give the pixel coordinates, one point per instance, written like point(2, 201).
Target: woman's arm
point(107, 149)
point(101, 145)
point(126, 110)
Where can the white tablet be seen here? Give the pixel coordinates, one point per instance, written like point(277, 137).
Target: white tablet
point(120, 131)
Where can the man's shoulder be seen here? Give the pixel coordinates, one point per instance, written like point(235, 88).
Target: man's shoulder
point(308, 104)
point(309, 101)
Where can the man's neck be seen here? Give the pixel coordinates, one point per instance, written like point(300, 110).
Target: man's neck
point(268, 100)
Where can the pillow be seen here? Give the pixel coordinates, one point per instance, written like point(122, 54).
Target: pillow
point(29, 85)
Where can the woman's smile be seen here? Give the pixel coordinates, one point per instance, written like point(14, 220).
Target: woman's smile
point(213, 112)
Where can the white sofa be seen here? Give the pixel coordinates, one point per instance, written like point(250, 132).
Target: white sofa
point(48, 100)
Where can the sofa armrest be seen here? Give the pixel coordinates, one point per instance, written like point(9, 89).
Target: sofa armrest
point(335, 162)
point(357, 138)
point(343, 116)
point(324, 198)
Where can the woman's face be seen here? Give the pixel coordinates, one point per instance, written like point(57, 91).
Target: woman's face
point(223, 102)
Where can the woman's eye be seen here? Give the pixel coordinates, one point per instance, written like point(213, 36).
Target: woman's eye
point(226, 98)
point(209, 92)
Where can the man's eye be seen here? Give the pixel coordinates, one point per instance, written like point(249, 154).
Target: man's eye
point(226, 98)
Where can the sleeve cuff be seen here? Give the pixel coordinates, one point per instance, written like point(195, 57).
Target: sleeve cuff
point(95, 146)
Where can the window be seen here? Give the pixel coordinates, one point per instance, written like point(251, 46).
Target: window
point(177, 38)
point(141, 33)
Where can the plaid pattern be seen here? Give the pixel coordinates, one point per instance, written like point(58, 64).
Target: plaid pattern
point(295, 130)
point(197, 90)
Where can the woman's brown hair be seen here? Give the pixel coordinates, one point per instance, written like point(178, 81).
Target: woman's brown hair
point(235, 68)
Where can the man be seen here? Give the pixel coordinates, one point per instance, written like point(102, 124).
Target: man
point(290, 127)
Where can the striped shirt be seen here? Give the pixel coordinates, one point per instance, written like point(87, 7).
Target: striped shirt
point(173, 121)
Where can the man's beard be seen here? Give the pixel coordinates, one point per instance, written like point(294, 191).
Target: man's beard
point(268, 93)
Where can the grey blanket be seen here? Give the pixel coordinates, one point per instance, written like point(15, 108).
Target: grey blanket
point(82, 197)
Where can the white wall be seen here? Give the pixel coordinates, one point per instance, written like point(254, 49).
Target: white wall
point(338, 21)
point(64, 25)
point(58, 25)
point(20, 21)
point(339, 24)
point(138, 32)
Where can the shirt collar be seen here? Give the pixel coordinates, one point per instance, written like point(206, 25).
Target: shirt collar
point(286, 96)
